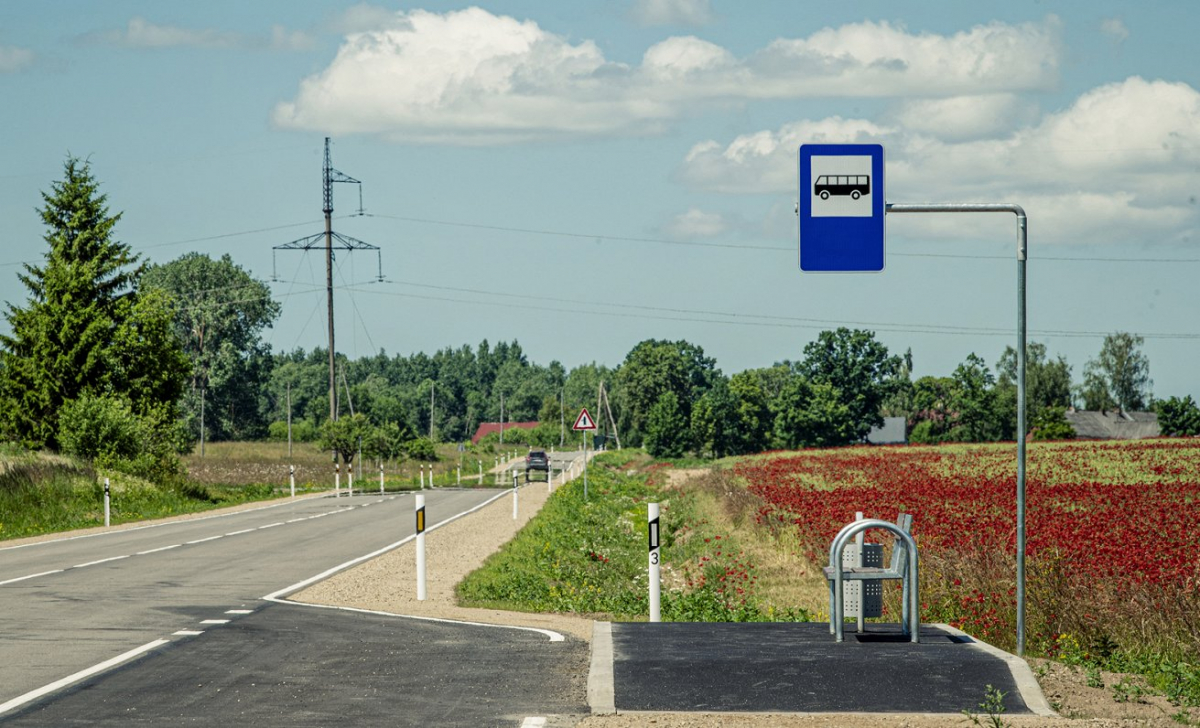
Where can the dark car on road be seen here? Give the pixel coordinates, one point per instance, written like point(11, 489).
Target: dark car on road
point(537, 460)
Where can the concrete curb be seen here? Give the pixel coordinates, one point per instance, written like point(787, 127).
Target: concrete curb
point(600, 694)
point(1027, 684)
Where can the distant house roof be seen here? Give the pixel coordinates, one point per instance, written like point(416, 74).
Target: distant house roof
point(891, 433)
point(1114, 425)
point(488, 428)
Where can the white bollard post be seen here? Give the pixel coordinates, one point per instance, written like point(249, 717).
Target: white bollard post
point(458, 475)
point(107, 502)
point(350, 481)
point(514, 495)
point(292, 478)
point(381, 477)
point(653, 528)
point(422, 477)
point(420, 512)
point(337, 480)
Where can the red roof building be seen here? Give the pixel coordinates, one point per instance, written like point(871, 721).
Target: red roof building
point(488, 428)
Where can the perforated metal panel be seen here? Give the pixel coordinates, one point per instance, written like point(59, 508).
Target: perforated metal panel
point(864, 595)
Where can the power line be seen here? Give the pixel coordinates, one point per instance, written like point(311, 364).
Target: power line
point(774, 248)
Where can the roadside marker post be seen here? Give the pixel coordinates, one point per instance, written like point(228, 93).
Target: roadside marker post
point(380, 477)
point(292, 479)
point(107, 501)
point(422, 476)
point(514, 472)
point(420, 513)
point(337, 478)
point(458, 475)
point(652, 525)
point(350, 481)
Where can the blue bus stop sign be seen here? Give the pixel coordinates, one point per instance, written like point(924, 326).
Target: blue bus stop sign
point(841, 208)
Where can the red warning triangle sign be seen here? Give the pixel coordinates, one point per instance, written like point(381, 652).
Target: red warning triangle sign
point(584, 421)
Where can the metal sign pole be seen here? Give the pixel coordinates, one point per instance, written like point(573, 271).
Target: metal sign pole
point(1022, 255)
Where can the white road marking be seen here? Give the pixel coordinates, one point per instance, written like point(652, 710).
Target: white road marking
point(202, 540)
point(239, 611)
point(270, 525)
point(533, 722)
point(31, 576)
point(187, 633)
point(239, 533)
point(155, 551)
point(45, 689)
point(297, 520)
point(100, 561)
point(214, 621)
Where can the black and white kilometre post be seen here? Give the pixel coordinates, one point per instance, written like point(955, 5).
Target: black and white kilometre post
point(419, 505)
point(292, 479)
point(107, 502)
point(655, 575)
point(584, 423)
point(841, 210)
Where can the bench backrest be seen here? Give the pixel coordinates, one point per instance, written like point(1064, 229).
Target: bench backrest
point(899, 553)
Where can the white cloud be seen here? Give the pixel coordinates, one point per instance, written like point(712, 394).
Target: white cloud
point(672, 12)
point(964, 117)
point(696, 223)
point(141, 33)
point(1114, 28)
point(13, 58)
point(1118, 164)
point(473, 77)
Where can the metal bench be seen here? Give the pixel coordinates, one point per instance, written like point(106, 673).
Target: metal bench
point(904, 566)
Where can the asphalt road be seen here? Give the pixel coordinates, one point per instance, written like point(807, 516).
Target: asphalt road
point(74, 604)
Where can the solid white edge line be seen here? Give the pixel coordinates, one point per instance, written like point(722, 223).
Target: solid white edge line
point(274, 596)
point(554, 636)
point(31, 576)
point(101, 561)
point(159, 525)
point(1022, 675)
point(35, 694)
point(155, 551)
point(601, 695)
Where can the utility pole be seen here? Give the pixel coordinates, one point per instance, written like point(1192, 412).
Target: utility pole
point(329, 176)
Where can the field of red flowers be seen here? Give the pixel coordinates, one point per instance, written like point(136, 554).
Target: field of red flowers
point(1113, 532)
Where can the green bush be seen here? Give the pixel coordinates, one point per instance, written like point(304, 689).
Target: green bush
point(105, 431)
point(302, 431)
point(421, 449)
point(1051, 424)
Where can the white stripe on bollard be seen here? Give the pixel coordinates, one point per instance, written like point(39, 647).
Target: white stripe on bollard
point(655, 568)
point(420, 512)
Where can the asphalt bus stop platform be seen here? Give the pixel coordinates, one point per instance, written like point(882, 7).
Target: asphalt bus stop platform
point(778, 667)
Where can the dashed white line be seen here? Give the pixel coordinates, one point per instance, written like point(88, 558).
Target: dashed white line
point(534, 722)
point(101, 561)
point(214, 621)
point(31, 576)
point(239, 533)
point(202, 540)
point(239, 611)
point(155, 551)
point(270, 525)
point(297, 520)
point(45, 689)
point(187, 633)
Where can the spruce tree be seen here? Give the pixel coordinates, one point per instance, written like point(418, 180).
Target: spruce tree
point(76, 334)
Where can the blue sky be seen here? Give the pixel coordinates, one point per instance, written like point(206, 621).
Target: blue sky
point(583, 176)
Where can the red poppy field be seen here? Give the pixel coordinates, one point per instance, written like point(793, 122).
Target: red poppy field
point(1113, 534)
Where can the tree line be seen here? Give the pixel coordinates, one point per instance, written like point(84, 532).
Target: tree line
point(129, 364)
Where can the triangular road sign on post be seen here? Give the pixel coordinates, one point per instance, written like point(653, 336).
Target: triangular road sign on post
point(584, 421)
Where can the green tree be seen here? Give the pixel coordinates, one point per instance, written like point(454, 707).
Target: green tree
point(220, 319)
point(858, 367)
point(654, 368)
point(1047, 384)
point(1178, 417)
point(713, 422)
point(1051, 424)
point(344, 435)
point(85, 329)
point(667, 433)
point(751, 422)
point(813, 414)
point(974, 402)
point(933, 402)
point(1119, 376)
